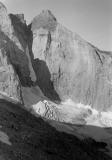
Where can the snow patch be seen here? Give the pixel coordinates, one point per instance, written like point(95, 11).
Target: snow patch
point(75, 113)
point(39, 108)
point(95, 118)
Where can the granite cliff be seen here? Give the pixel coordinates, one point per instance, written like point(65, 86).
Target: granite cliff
point(54, 74)
point(15, 63)
point(46, 61)
point(9, 81)
point(68, 66)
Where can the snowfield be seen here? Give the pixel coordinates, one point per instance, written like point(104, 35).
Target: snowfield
point(76, 113)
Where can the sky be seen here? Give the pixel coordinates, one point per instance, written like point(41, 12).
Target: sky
point(91, 19)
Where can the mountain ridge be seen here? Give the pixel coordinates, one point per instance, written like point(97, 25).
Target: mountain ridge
point(47, 56)
point(52, 83)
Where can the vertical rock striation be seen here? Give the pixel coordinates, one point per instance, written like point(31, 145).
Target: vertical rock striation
point(48, 55)
point(72, 67)
point(9, 81)
point(21, 60)
point(16, 68)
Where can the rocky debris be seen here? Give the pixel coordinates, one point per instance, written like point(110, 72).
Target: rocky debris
point(70, 67)
point(47, 110)
point(71, 113)
point(62, 113)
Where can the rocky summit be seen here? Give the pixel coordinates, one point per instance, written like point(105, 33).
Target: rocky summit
point(52, 80)
point(60, 62)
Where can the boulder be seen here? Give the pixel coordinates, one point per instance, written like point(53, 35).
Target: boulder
point(47, 110)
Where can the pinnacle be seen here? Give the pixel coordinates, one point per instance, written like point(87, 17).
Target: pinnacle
point(48, 13)
point(44, 20)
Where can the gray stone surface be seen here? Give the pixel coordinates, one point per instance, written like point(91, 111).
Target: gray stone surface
point(76, 69)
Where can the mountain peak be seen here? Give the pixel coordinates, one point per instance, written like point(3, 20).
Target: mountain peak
point(48, 13)
point(44, 20)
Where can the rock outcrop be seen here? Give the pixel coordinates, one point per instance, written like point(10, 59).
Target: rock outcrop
point(65, 67)
point(9, 81)
point(20, 57)
point(67, 113)
point(15, 32)
point(15, 63)
point(47, 110)
point(68, 67)
point(60, 62)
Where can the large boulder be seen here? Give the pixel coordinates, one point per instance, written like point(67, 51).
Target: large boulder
point(68, 67)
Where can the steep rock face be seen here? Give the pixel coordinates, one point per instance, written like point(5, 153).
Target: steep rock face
point(20, 57)
point(5, 24)
point(15, 32)
point(47, 110)
point(14, 54)
point(9, 81)
point(69, 65)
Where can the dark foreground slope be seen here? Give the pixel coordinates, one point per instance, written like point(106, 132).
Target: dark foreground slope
point(24, 137)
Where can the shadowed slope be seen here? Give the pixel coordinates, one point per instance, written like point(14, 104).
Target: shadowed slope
point(31, 138)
